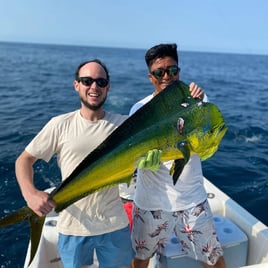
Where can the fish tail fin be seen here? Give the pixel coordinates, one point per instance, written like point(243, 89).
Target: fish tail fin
point(36, 225)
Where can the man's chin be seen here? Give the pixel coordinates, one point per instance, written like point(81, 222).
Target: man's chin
point(93, 107)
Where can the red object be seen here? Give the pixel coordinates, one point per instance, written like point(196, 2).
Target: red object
point(128, 208)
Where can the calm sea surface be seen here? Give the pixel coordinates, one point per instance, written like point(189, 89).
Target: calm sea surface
point(36, 84)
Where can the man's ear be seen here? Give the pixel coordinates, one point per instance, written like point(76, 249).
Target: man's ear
point(150, 76)
point(76, 85)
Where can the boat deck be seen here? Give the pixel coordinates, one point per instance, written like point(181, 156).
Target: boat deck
point(256, 241)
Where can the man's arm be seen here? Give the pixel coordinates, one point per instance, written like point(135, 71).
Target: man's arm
point(37, 200)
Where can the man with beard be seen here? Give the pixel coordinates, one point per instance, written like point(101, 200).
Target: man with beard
point(97, 222)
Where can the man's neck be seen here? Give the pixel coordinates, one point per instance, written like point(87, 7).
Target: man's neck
point(92, 115)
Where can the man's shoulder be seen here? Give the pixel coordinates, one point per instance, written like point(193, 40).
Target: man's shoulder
point(140, 103)
point(63, 117)
point(116, 118)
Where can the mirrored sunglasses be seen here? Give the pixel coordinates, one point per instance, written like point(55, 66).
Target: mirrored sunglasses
point(171, 71)
point(88, 81)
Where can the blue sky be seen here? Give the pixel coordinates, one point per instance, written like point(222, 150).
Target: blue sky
point(237, 26)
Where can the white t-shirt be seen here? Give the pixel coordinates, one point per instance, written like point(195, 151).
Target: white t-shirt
point(156, 191)
point(72, 138)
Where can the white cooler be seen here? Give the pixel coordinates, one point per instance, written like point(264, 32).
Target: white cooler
point(234, 243)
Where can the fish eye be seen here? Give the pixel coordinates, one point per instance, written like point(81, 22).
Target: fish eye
point(184, 104)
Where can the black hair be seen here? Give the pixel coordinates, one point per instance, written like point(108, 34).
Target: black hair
point(161, 51)
point(95, 60)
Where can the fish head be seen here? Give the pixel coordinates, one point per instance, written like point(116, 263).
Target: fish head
point(189, 125)
point(204, 129)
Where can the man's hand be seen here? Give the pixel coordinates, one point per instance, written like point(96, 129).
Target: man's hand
point(196, 91)
point(151, 160)
point(40, 203)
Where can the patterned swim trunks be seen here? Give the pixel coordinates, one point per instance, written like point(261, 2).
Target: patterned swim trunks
point(193, 227)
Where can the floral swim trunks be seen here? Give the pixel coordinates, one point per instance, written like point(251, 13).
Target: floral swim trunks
point(193, 227)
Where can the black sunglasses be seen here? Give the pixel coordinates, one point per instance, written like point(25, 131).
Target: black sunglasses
point(88, 81)
point(171, 71)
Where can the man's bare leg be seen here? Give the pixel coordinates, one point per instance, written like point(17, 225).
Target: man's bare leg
point(220, 264)
point(140, 263)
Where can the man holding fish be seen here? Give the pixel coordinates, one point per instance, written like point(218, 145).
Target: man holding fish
point(162, 205)
point(98, 221)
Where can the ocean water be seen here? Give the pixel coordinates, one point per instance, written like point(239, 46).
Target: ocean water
point(36, 84)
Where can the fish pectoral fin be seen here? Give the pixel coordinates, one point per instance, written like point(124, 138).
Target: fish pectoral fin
point(36, 224)
point(179, 164)
point(176, 169)
point(185, 150)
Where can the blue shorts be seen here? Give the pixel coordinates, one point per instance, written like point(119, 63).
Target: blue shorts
point(113, 250)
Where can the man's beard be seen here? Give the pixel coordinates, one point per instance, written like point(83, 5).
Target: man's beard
point(93, 107)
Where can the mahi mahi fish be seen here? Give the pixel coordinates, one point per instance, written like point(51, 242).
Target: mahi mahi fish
point(172, 121)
